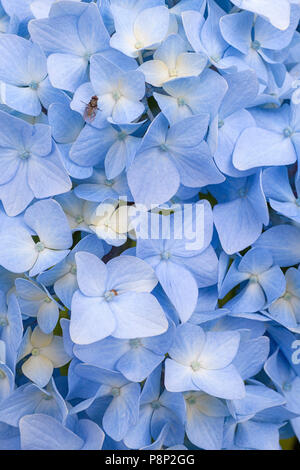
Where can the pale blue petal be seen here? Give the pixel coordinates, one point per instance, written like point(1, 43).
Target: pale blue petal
point(91, 319)
point(48, 317)
point(122, 412)
point(258, 147)
point(49, 222)
point(180, 286)
point(40, 432)
point(91, 274)
point(282, 242)
point(144, 316)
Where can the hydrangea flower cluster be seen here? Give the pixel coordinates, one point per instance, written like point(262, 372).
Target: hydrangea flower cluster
point(187, 111)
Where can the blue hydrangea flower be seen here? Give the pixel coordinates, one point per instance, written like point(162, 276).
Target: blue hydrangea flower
point(70, 38)
point(285, 310)
point(30, 160)
point(260, 40)
point(116, 402)
point(105, 290)
point(113, 146)
point(77, 211)
point(34, 301)
point(168, 156)
point(261, 281)
point(119, 93)
point(187, 96)
point(138, 30)
point(203, 361)
point(45, 351)
point(25, 85)
point(20, 252)
point(29, 399)
point(180, 271)
point(172, 60)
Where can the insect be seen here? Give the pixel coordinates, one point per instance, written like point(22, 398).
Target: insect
point(91, 109)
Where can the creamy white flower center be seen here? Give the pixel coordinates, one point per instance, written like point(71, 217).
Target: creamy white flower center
point(35, 352)
point(110, 294)
point(115, 391)
point(79, 219)
point(195, 365)
point(173, 73)
point(116, 95)
point(39, 246)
